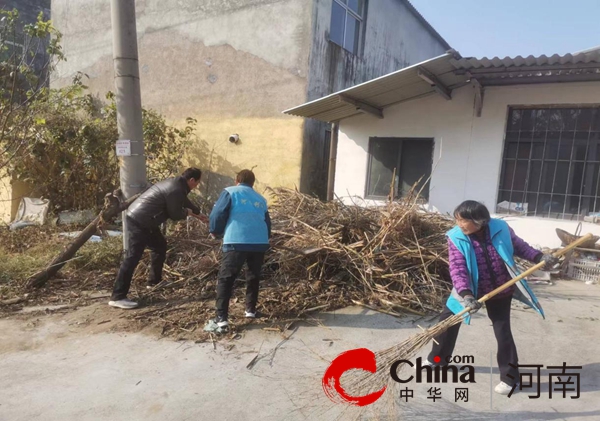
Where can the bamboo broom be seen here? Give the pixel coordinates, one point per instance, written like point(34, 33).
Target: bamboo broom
point(356, 383)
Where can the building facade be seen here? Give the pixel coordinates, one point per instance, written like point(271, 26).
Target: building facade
point(520, 135)
point(234, 65)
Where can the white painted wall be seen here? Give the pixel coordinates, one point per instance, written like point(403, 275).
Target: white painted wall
point(468, 149)
point(541, 232)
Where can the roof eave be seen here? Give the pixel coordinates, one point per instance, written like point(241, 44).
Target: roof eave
point(291, 111)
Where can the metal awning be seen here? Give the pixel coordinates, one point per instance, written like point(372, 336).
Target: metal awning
point(444, 73)
point(376, 94)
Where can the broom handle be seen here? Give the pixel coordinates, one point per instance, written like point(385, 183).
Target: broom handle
point(529, 271)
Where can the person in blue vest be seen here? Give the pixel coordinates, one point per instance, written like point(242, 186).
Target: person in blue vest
point(241, 217)
point(481, 253)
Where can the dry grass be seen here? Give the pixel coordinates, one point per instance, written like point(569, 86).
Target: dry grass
point(28, 250)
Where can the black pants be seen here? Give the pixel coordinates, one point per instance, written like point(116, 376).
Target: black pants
point(499, 313)
point(232, 264)
point(140, 238)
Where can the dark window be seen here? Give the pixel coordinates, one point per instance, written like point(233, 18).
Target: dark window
point(408, 159)
point(346, 22)
point(551, 163)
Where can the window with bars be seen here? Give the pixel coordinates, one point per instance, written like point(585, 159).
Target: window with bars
point(551, 163)
point(346, 22)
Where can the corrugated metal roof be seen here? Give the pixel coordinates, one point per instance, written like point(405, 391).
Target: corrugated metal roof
point(452, 71)
point(399, 86)
point(467, 63)
point(583, 66)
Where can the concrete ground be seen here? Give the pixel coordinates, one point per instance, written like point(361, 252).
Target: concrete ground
point(51, 369)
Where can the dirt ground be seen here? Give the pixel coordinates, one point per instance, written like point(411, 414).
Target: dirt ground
point(90, 314)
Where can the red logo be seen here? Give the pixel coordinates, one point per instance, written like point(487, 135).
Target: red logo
point(360, 358)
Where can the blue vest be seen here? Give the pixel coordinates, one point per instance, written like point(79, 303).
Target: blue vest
point(246, 223)
point(502, 242)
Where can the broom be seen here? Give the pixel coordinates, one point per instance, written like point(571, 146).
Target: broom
point(359, 384)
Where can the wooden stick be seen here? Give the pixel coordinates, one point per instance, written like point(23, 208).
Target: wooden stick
point(392, 185)
point(592, 250)
point(112, 207)
point(10, 301)
point(380, 310)
point(409, 310)
point(528, 272)
point(308, 310)
point(433, 339)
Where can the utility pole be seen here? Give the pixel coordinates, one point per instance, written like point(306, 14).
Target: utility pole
point(129, 102)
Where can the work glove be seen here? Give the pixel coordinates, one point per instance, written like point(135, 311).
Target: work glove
point(471, 302)
point(549, 260)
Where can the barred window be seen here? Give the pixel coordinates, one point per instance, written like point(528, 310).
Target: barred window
point(551, 163)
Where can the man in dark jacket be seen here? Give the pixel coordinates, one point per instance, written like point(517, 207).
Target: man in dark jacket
point(164, 200)
point(241, 217)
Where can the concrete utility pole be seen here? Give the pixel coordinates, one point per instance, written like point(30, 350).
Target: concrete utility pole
point(129, 101)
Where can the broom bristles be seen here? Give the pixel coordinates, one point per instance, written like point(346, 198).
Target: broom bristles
point(361, 383)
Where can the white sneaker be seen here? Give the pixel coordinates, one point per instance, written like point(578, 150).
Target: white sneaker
point(504, 389)
point(425, 363)
point(218, 327)
point(250, 315)
point(124, 303)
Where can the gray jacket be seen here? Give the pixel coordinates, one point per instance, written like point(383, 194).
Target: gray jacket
point(166, 199)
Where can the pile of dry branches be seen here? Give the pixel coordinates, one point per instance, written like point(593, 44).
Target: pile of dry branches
point(324, 256)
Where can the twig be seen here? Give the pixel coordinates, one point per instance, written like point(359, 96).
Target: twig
point(285, 339)
point(11, 301)
point(409, 310)
point(391, 313)
point(252, 363)
point(308, 310)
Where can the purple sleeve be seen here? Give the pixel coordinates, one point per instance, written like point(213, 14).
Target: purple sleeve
point(458, 269)
point(522, 249)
